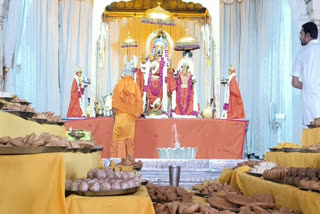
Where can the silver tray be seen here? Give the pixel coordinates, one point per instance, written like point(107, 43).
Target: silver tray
point(22, 102)
point(255, 174)
point(6, 98)
point(55, 123)
point(19, 150)
point(313, 126)
point(275, 150)
point(23, 114)
point(105, 193)
point(291, 150)
point(38, 120)
point(310, 151)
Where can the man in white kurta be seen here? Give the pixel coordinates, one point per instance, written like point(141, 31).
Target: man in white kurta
point(306, 72)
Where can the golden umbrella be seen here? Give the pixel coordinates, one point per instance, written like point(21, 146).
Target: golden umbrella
point(158, 16)
point(129, 42)
point(187, 43)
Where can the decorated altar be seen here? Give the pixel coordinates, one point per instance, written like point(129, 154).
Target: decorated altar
point(159, 50)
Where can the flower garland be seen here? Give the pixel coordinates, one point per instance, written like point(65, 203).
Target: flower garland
point(184, 111)
point(157, 92)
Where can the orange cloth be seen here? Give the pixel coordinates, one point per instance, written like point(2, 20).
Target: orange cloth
point(226, 142)
point(74, 106)
point(171, 86)
point(184, 97)
point(128, 104)
point(235, 108)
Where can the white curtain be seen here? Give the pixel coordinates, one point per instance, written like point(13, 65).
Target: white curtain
point(257, 39)
point(45, 42)
point(75, 20)
point(32, 53)
point(13, 30)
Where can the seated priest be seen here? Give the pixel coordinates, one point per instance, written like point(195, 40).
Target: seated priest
point(77, 104)
point(127, 104)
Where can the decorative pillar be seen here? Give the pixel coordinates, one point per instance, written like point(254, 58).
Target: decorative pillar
point(313, 8)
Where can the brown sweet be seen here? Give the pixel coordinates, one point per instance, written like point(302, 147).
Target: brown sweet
point(4, 140)
point(239, 199)
point(222, 203)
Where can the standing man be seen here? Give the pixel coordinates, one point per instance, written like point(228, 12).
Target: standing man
point(77, 105)
point(306, 72)
point(127, 104)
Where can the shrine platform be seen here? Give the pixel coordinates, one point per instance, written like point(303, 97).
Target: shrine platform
point(214, 138)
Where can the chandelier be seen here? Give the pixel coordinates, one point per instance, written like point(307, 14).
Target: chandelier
point(158, 16)
point(230, 2)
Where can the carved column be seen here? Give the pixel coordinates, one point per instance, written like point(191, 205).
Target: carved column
point(313, 8)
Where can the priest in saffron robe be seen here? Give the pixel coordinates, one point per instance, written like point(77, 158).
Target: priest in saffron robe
point(76, 106)
point(127, 104)
point(233, 107)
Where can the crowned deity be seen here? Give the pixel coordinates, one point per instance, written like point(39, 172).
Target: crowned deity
point(186, 99)
point(159, 84)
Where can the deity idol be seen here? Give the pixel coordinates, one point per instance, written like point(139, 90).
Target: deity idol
point(158, 80)
point(76, 106)
point(186, 99)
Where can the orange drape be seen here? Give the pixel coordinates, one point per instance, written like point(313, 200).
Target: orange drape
point(214, 138)
point(74, 106)
point(235, 109)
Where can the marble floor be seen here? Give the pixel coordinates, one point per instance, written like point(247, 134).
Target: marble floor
point(192, 171)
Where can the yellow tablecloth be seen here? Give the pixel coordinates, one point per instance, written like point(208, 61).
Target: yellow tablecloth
point(14, 126)
point(294, 159)
point(32, 184)
point(139, 203)
point(78, 164)
point(285, 195)
point(310, 136)
point(229, 176)
point(35, 183)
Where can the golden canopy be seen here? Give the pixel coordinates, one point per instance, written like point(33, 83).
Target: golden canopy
point(158, 16)
point(137, 8)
